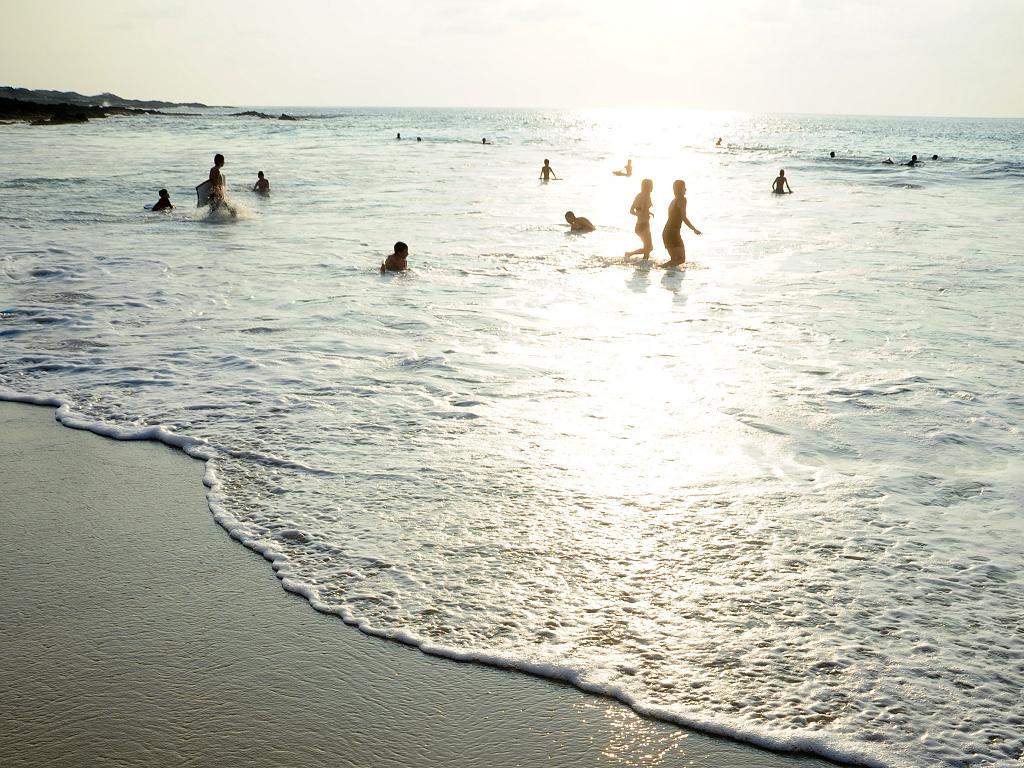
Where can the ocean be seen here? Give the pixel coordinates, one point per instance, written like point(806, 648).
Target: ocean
point(778, 495)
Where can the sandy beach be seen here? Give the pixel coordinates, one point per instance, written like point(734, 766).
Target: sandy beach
point(136, 632)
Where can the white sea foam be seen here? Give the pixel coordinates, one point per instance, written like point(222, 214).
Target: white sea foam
point(776, 498)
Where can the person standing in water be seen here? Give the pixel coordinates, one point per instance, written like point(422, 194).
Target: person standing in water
point(262, 185)
point(781, 185)
point(547, 172)
point(219, 187)
point(672, 236)
point(641, 208)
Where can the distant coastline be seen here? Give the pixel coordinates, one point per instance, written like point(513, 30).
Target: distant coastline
point(44, 107)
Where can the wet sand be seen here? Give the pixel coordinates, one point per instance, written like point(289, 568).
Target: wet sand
point(136, 632)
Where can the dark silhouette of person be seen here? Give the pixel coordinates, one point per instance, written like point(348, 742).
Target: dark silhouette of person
point(397, 261)
point(671, 235)
point(164, 203)
point(578, 223)
point(935, 157)
point(912, 162)
point(832, 155)
point(262, 185)
point(718, 141)
point(483, 141)
point(781, 185)
point(418, 139)
point(547, 172)
point(641, 208)
point(627, 171)
point(398, 137)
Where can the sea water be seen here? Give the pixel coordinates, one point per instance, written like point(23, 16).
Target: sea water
point(777, 495)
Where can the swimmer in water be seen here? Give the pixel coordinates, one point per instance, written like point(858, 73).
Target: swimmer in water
point(718, 142)
point(397, 261)
point(483, 141)
point(578, 223)
point(262, 185)
point(832, 155)
point(671, 235)
point(164, 203)
point(888, 161)
point(398, 137)
point(547, 172)
point(627, 171)
point(912, 162)
point(781, 185)
point(935, 157)
point(641, 208)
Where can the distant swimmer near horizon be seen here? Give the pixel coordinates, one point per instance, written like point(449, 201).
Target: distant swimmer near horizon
point(398, 137)
point(832, 155)
point(397, 261)
point(164, 203)
point(781, 185)
point(578, 223)
point(718, 141)
point(547, 172)
point(671, 235)
point(627, 171)
point(484, 141)
point(262, 185)
point(641, 208)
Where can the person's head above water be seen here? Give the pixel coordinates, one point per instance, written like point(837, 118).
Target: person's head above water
point(401, 249)
point(935, 157)
point(570, 216)
point(164, 193)
point(259, 174)
point(546, 161)
point(647, 186)
point(782, 172)
point(218, 160)
point(831, 154)
point(913, 157)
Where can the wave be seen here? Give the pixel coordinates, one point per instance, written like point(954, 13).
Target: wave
point(806, 743)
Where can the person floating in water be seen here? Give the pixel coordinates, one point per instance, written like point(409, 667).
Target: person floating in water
point(935, 157)
point(164, 203)
point(671, 235)
point(397, 261)
point(832, 155)
point(578, 223)
point(781, 185)
point(627, 171)
point(641, 208)
point(912, 161)
point(547, 172)
point(262, 185)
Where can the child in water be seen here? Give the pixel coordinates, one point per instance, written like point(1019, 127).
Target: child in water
point(397, 261)
point(164, 203)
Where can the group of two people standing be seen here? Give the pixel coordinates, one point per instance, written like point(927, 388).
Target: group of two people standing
point(671, 235)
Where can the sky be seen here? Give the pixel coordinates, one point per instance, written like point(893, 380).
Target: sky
point(898, 57)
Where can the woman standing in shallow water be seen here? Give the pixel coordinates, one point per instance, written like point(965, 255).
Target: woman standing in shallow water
point(672, 236)
point(641, 208)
